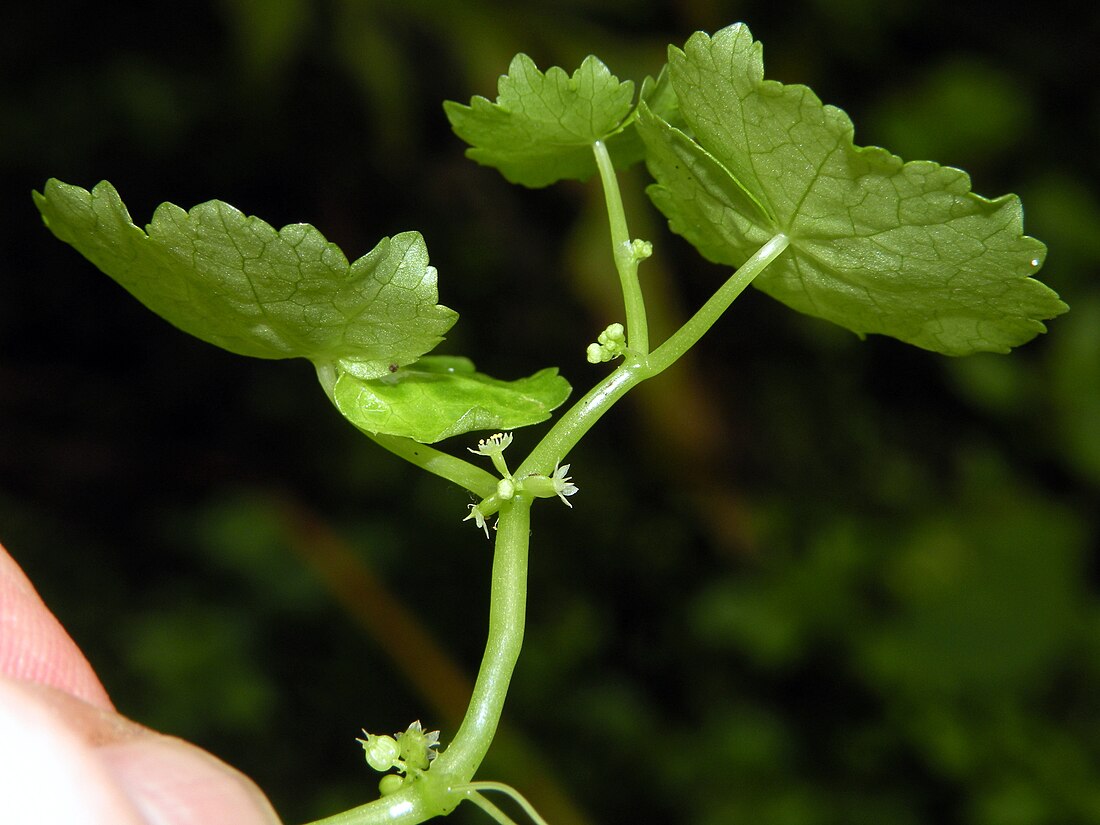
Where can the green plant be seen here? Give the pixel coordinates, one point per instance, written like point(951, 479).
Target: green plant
point(755, 174)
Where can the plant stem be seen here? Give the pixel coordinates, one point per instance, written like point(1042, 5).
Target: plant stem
point(477, 788)
point(495, 813)
point(685, 337)
point(626, 262)
point(580, 418)
point(480, 482)
point(507, 614)
point(437, 791)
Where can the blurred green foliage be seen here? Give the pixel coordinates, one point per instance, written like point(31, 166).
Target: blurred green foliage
point(808, 580)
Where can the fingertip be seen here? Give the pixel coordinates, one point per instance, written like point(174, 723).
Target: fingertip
point(50, 773)
point(172, 782)
point(33, 644)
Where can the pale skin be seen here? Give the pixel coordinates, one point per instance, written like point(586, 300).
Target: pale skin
point(68, 757)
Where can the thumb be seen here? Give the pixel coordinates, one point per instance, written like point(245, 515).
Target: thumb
point(63, 760)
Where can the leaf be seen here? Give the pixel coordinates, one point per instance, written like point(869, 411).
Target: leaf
point(877, 245)
point(441, 396)
point(542, 126)
point(625, 146)
point(236, 282)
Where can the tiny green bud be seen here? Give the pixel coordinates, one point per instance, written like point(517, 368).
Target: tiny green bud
point(506, 488)
point(382, 752)
point(610, 344)
point(615, 334)
point(410, 752)
point(641, 249)
point(390, 783)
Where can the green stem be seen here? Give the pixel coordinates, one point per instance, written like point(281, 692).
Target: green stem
point(580, 418)
point(480, 482)
point(438, 791)
point(507, 614)
point(685, 337)
point(476, 789)
point(495, 813)
point(626, 262)
point(408, 806)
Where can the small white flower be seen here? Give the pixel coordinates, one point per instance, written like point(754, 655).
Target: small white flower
point(493, 445)
point(478, 517)
point(556, 484)
point(562, 485)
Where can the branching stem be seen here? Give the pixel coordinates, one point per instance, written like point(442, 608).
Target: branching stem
point(635, 368)
point(686, 336)
point(626, 261)
point(439, 790)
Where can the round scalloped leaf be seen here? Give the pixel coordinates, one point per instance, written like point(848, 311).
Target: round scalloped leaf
point(542, 126)
point(876, 245)
point(236, 282)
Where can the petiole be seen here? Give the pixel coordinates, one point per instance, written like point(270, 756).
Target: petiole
point(628, 253)
point(474, 791)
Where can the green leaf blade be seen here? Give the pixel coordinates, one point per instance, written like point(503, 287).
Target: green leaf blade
point(877, 245)
point(702, 200)
point(439, 397)
point(236, 282)
point(542, 126)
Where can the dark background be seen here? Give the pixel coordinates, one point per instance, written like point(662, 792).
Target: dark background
point(808, 580)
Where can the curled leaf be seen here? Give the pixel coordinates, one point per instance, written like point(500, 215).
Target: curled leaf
point(439, 397)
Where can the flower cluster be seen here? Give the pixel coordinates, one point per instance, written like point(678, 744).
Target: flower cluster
point(610, 344)
point(410, 752)
point(535, 484)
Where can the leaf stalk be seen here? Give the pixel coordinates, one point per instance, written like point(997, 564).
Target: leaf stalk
point(580, 418)
point(626, 259)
